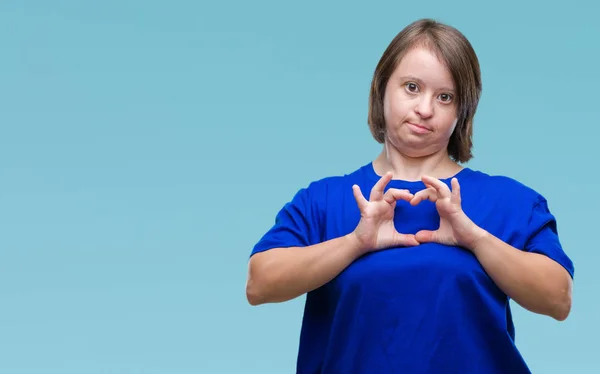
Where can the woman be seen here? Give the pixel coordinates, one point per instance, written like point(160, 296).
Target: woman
point(416, 277)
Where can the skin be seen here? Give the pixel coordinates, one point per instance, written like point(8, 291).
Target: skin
point(420, 92)
point(420, 113)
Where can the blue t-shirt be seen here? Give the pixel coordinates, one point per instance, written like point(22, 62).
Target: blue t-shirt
point(431, 308)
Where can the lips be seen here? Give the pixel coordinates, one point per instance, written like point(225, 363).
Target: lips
point(419, 128)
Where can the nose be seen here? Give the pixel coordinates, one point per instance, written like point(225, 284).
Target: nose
point(424, 108)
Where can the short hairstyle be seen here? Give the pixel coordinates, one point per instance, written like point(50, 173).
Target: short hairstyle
point(456, 52)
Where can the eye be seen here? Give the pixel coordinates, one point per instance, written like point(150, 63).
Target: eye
point(411, 87)
point(445, 98)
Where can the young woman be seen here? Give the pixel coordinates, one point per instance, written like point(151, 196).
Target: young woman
point(409, 262)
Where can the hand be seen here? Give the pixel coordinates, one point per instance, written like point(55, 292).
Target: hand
point(376, 228)
point(455, 227)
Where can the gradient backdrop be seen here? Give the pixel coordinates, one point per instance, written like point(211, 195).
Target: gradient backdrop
point(145, 147)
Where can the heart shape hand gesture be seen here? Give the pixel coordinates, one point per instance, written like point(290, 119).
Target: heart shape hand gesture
point(455, 227)
point(376, 229)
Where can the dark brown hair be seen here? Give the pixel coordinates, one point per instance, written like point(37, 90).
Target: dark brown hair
point(452, 48)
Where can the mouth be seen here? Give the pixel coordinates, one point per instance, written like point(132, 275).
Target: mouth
point(419, 128)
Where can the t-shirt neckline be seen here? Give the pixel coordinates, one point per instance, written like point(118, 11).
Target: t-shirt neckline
point(413, 185)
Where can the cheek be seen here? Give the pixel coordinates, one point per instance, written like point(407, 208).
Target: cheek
point(393, 108)
point(386, 108)
point(448, 121)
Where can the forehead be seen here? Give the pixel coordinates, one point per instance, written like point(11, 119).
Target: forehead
point(425, 65)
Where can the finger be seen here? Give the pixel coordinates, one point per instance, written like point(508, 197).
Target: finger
point(379, 187)
point(407, 240)
point(426, 236)
point(394, 194)
point(358, 196)
point(427, 194)
point(455, 191)
point(439, 186)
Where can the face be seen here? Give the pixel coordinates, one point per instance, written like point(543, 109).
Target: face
point(420, 105)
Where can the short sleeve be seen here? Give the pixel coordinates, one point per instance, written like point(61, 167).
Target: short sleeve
point(543, 236)
point(296, 224)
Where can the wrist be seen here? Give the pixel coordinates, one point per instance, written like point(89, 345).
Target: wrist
point(476, 238)
point(354, 245)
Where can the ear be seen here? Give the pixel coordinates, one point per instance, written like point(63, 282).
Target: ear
point(454, 126)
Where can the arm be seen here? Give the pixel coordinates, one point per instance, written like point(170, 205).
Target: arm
point(281, 274)
point(536, 282)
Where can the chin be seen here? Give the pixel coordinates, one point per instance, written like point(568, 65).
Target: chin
point(413, 149)
point(412, 153)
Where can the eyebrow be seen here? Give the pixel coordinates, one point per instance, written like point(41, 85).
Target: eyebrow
point(413, 78)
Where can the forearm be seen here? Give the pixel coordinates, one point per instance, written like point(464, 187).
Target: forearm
point(534, 281)
point(281, 274)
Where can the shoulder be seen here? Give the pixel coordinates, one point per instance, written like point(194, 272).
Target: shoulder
point(334, 184)
point(313, 202)
point(503, 186)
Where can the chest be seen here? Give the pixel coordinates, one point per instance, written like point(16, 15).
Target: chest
point(487, 211)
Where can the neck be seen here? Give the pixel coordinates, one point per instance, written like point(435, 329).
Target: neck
point(438, 165)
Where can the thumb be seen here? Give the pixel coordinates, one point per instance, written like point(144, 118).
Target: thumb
point(426, 236)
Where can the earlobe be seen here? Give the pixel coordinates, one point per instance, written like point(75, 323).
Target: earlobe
point(454, 125)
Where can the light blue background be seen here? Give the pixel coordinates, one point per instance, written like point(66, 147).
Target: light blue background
point(145, 147)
